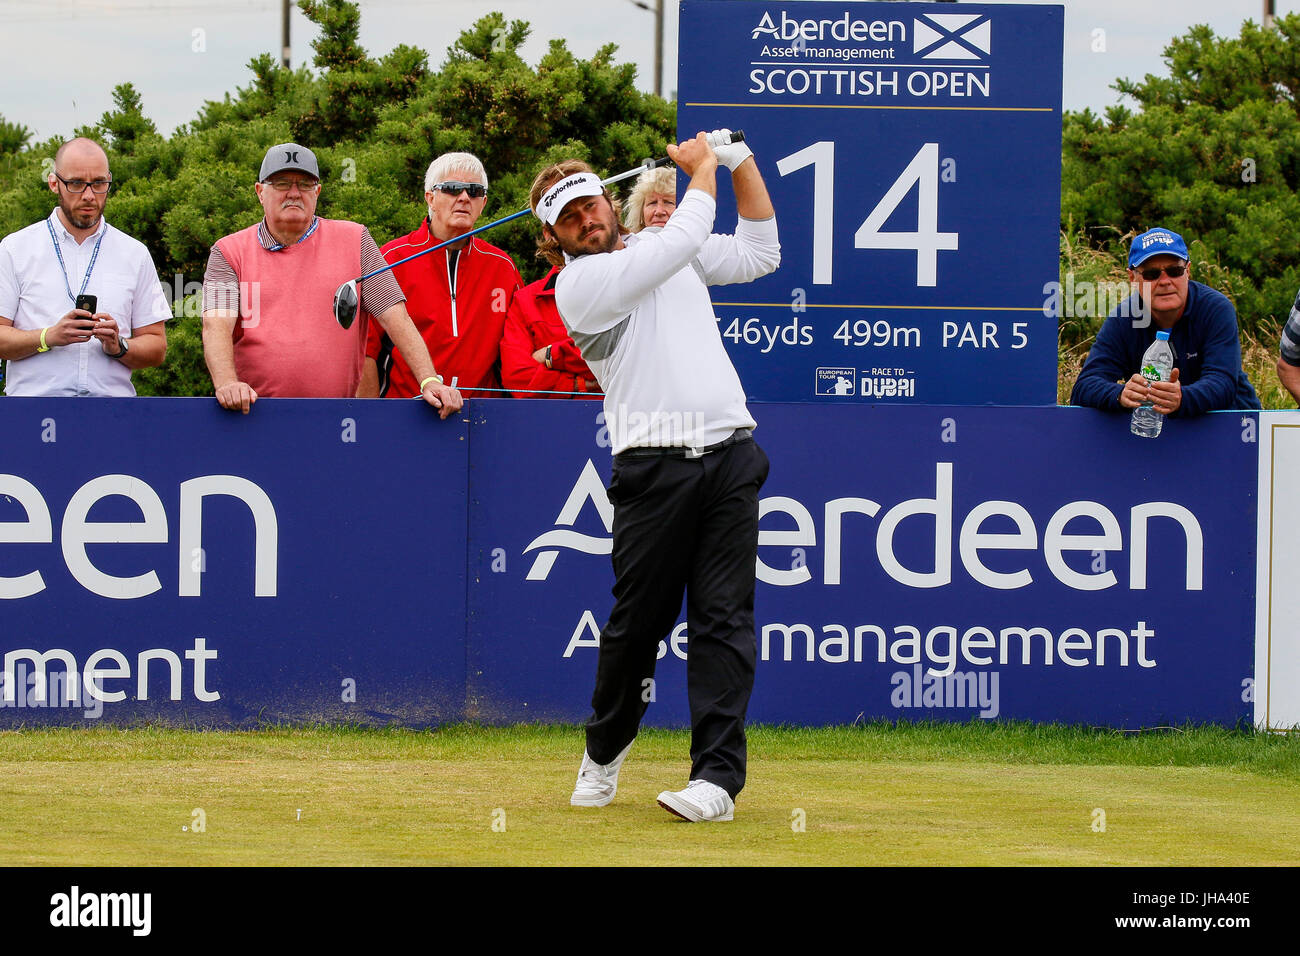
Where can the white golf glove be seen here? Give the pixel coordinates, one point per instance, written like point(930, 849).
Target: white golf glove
point(729, 154)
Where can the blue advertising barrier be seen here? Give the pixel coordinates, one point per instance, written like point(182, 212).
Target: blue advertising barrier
point(301, 563)
point(923, 562)
point(364, 561)
point(912, 152)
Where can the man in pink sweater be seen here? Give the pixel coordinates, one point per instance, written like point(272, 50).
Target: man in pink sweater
point(268, 322)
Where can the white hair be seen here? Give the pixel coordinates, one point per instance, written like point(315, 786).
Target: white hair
point(442, 167)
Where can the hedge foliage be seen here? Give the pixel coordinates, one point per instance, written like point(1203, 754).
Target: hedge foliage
point(1211, 151)
point(374, 124)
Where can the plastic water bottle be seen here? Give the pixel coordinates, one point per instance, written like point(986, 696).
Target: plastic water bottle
point(1157, 364)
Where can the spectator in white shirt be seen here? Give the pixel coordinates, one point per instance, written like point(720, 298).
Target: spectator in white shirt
point(54, 348)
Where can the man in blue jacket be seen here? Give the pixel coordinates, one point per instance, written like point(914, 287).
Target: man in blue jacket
point(1202, 326)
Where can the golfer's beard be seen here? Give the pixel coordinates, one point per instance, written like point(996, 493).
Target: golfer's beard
point(584, 248)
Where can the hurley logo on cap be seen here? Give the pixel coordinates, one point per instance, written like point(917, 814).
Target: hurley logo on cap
point(288, 156)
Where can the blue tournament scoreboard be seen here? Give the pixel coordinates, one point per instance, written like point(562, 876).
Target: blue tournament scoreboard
point(913, 154)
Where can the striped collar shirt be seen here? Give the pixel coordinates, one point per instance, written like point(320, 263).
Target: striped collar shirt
point(271, 244)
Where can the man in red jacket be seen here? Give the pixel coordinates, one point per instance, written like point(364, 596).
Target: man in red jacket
point(538, 357)
point(457, 297)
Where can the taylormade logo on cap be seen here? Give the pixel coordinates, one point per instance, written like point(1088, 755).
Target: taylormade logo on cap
point(557, 197)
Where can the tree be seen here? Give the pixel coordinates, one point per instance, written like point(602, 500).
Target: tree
point(13, 137)
point(1212, 151)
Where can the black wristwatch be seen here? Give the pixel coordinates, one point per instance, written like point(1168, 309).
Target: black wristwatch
point(121, 339)
point(548, 356)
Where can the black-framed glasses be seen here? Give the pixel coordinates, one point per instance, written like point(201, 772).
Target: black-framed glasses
point(452, 188)
point(78, 186)
point(1152, 273)
point(284, 185)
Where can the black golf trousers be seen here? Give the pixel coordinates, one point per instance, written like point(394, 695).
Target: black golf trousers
point(683, 524)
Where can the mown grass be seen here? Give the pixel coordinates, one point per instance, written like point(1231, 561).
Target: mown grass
point(906, 794)
point(982, 741)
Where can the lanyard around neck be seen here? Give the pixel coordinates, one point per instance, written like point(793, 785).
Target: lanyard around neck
point(89, 269)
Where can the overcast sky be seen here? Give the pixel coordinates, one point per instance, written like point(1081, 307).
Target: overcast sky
point(63, 57)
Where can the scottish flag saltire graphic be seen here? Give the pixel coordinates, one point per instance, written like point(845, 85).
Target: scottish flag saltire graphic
point(951, 36)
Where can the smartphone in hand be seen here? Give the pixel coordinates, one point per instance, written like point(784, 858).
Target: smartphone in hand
point(88, 302)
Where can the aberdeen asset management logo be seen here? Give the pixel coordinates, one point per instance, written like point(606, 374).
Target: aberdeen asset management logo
point(951, 36)
point(588, 487)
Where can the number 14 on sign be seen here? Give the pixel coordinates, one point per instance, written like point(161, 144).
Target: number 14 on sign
point(927, 240)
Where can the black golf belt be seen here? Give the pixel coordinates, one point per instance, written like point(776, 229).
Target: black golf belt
point(681, 451)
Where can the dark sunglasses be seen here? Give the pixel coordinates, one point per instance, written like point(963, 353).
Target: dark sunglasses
point(1153, 273)
point(475, 190)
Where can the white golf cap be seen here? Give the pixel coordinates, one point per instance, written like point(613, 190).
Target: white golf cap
point(557, 197)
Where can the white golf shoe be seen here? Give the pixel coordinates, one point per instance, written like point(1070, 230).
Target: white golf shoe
point(597, 783)
point(700, 802)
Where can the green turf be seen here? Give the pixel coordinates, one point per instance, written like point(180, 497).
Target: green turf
point(902, 794)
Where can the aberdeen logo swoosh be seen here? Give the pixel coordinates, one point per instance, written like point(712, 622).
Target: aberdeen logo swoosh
point(588, 487)
point(951, 36)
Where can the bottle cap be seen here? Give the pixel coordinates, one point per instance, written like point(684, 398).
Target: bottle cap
point(1163, 335)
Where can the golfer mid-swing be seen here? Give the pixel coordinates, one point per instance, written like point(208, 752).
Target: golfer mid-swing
point(686, 471)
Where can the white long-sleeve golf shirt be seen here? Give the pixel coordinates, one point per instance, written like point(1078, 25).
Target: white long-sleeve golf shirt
point(644, 322)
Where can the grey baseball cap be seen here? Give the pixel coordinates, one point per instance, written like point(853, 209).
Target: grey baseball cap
point(288, 156)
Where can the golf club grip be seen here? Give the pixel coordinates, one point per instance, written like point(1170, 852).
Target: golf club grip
point(737, 136)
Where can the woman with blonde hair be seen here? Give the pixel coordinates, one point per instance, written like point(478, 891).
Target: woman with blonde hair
point(652, 200)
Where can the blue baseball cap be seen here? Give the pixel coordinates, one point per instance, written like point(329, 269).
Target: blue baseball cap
point(1156, 242)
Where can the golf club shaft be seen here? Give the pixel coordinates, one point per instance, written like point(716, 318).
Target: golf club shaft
point(736, 137)
point(511, 391)
point(514, 215)
point(443, 245)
